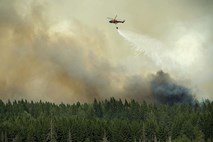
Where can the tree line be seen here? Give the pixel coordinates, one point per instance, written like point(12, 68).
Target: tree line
point(108, 120)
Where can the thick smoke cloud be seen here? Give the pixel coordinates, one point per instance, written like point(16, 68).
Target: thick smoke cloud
point(52, 53)
point(38, 63)
point(166, 90)
point(158, 88)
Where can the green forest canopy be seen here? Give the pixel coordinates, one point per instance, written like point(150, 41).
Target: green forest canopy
point(109, 120)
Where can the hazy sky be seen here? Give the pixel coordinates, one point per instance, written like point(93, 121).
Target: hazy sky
point(68, 51)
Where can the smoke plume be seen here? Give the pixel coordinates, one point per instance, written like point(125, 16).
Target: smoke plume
point(167, 91)
point(159, 88)
point(67, 52)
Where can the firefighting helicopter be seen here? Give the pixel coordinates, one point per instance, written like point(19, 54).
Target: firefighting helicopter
point(115, 21)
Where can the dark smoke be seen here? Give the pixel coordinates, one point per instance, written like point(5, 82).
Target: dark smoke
point(157, 88)
point(167, 91)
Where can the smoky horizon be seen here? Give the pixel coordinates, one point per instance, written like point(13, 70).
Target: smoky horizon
point(68, 51)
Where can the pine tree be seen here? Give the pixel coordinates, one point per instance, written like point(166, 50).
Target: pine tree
point(182, 138)
point(16, 139)
point(97, 109)
point(69, 137)
point(51, 136)
point(105, 138)
point(2, 136)
point(87, 140)
point(143, 134)
point(155, 138)
point(169, 139)
point(5, 137)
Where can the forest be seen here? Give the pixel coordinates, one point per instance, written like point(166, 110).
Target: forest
point(110, 120)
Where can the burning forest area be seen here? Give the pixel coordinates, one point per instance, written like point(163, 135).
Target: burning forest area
point(111, 71)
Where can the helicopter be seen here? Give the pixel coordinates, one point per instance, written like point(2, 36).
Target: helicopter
point(115, 21)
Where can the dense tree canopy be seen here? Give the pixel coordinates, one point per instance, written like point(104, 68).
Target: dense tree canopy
point(109, 120)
